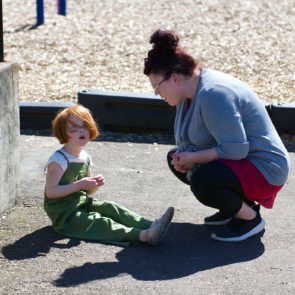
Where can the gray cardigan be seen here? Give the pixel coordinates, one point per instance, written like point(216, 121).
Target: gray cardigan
point(226, 114)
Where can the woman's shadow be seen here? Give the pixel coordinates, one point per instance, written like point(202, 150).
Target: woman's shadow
point(186, 250)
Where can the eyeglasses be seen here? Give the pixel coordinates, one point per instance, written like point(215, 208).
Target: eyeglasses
point(156, 87)
point(73, 128)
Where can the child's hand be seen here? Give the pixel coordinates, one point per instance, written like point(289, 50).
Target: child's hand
point(91, 183)
point(99, 180)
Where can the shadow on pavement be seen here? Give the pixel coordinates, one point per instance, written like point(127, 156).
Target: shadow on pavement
point(186, 250)
point(36, 244)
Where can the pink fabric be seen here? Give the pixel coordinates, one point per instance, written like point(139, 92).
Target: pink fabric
point(255, 186)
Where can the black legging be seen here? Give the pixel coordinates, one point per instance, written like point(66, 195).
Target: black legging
point(214, 185)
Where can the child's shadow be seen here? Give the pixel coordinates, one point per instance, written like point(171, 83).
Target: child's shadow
point(36, 244)
point(186, 250)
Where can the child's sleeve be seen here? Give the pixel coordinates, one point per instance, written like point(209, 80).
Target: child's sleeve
point(59, 159)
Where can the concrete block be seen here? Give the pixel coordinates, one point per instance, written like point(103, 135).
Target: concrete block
point(121, 111)
point(9, 136)
point(39, 115)
point(283, 117)
point(267, 107)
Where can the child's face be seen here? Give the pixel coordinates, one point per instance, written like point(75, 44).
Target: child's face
point(77, 131)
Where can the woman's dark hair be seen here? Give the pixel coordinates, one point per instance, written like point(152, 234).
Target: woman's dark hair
point(166, 57)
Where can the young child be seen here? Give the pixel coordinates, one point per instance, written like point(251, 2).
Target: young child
point(70, 186)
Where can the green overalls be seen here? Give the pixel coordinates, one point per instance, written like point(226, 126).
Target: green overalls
point(78, 216)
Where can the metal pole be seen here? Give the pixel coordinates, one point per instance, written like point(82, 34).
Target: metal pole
point(1, 34)
point(61, 7)
point(40, 12)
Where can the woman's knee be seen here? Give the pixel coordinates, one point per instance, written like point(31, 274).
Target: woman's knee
point(179, 175)
point(169, 158)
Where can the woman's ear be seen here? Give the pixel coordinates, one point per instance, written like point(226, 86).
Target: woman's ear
point(174, 77)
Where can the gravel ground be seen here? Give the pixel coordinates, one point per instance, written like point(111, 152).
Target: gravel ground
point(101, 44)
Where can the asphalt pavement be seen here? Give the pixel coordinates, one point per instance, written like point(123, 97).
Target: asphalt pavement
point(35, 260)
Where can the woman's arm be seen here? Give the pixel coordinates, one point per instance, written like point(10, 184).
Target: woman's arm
point(223, 118)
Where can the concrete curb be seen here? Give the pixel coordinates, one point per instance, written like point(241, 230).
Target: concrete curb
point(38, 115)
point(133, 112)
point(283, 117)
point(128, 111)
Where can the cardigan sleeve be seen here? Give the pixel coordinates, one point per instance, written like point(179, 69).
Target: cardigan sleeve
point(222, 116)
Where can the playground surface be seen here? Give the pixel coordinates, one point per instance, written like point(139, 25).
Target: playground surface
point(35, 260)
point(102, 44)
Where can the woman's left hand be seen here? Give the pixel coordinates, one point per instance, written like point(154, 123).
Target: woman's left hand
point(183, 161)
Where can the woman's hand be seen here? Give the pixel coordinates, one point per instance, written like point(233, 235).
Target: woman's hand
point(183, 162)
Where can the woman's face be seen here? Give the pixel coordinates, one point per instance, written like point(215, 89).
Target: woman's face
point(168, 88)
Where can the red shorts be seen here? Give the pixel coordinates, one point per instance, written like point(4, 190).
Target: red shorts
point(255, 186)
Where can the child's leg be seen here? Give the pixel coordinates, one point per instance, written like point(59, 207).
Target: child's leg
point(120, 214)
point(94, 226)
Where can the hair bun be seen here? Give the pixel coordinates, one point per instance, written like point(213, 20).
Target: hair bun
point(164, 39)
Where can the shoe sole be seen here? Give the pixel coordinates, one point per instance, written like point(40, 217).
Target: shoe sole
point(256, 230)
point(221, 222)
point(166, 224)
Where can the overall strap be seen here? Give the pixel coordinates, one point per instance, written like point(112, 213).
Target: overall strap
point(60, 152)
point(88, 161)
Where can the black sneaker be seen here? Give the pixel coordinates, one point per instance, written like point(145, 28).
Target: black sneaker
point(239, 229)
point(218, 218)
